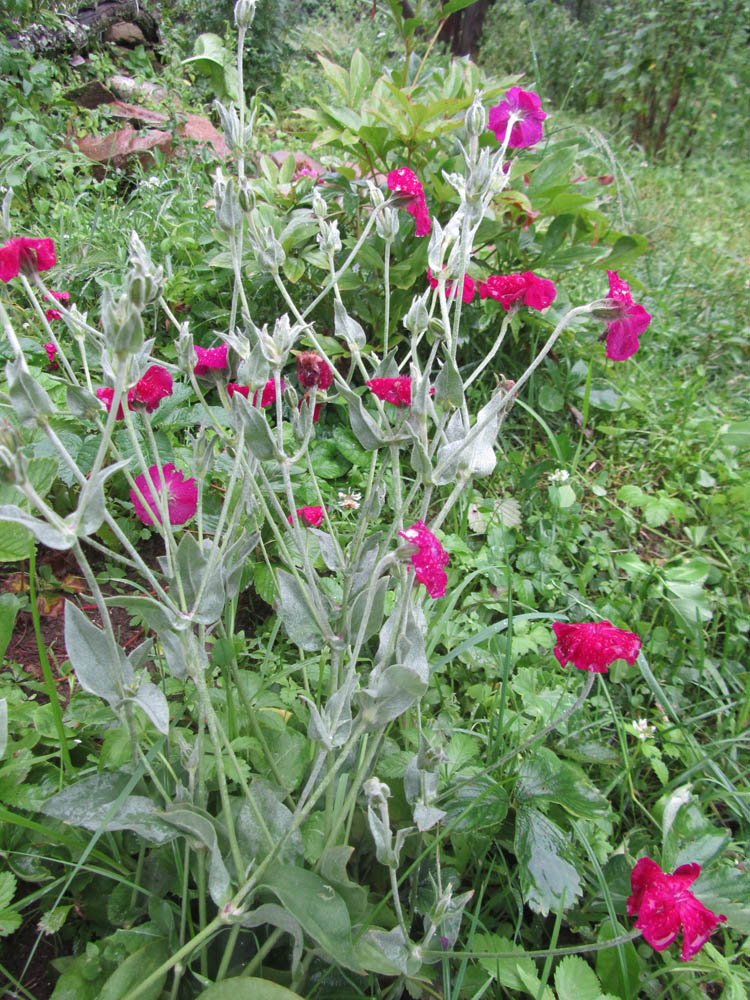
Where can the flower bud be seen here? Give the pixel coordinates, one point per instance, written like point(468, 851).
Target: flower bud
point(271, 254)
point(418, 317)
point(476, 118)
point(376, 195)
point(329, 240)
point(228, 209)
point(386, 225)
point(245, 196)
point(121, 324)
point(320, 208)
point(608, 310)
point(244, 12)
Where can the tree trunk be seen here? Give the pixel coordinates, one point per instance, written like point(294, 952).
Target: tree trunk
point(464, 28)
point(87, 25)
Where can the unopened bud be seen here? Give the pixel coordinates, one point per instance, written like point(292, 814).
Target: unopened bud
point(244, 12)
point(387, 224)
point(418, 317)
point(608, 310)
point(320, 208)
point(329, 240)
point(476, 118)
point(245, 196)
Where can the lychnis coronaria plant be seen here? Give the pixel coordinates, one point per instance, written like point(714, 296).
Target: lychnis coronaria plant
point(256, 818)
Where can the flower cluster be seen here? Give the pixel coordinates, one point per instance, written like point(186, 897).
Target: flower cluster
point(429, 559)
point(663, 904)
point(525, 107)
point(405, 182)
point(313, 371)
point(594, 645)
point(24, 252)
point(624, 331)
point(528, 288)
point(182, 495)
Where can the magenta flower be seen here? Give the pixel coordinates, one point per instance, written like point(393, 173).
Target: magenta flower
point(307, 401)
point(107, 396)
point(405, 182)
point(528, 288)
point(210, 359)
point(55, 313)
point(468, 290)
point(430, 558)
point(310, 515)
point(149, 390)
point(594, 645)
point(23, 252)
point(267, 396)
point(526, 107)
point(623, 332)
point(392, 390)
point(182, 495)
point(663, 903)
point(313, 371)
point(51, 350)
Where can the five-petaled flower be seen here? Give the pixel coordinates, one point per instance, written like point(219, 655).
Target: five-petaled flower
point(267, 394)
point(310, 515)
point(527, 287)
point(24, 252)
point(525, 107)
point(429, 559)
point(182, 495)
point(468, 289)
point(623, 332)
point(314, 371)
point(663, 903)
point(594, 645)
point(210, 359)
point(405, 182)
point(148, 391)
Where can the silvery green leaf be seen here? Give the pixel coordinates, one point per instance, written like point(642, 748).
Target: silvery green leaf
point(100, 666)
point(272, 913)
point(368, 556)
point(87, 803)
point(204, 590)
point(448, 384)
point(230, 123)
point(253, 370)
point(388, 695)
point(296, 615)
point(42, 531)
point(346, 327)
point(420, 460)
point(234, 559)
point(387, 367)
point(258, 437)
point(28, 398)
point(5, 229)
point(151, 699)
point(377, 608)
point(317, 729)
point(156, 615)
point(92, 505)
point(381, 834)
point(81, 402)
point(328, 549)
point(364, 427)
point(174, 653)
point(427, 816)
point(388, 953)
point(277, 819)
point(189, 821)
point(140, 654)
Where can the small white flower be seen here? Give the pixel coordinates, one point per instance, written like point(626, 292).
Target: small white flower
point(559, 476)
point(642, 729)
point(349, 501)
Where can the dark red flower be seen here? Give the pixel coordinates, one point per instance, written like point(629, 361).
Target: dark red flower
point(23, 252)
point(149, 390)
point(623, 332)
point(210, 359)
point(429, 560)
point(663, 903)
point(533, 291)
point(182, 495)
point(469, 286)
point(527, 107)
point(313, 371)
point(594, 645)
point(405, 182)
point(313, 516)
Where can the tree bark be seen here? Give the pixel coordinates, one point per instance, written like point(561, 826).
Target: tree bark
point(464, 28)
point(79, 31)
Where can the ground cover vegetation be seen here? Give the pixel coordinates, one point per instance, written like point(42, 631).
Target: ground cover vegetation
point(354, 470)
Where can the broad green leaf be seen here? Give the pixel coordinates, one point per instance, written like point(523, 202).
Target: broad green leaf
point(135, 969)
point(548, 880)
point(737, 434)
point(189, 821)
point(512, 973)
point(359, 77)
point(623, 982)
point(247, 988)
point(576, 980)
point(295, 612)
point(545, 777)
point(100, 666)
point(9, 607)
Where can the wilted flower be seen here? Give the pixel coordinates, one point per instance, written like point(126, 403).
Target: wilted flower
point(529, 288)
point(526, 107)
point(405, 181)
point(623, 332)
point(313, 516)
point(182, 495)
point(430, 558)
point(312, 370)
point(24, 252)
point(210, 359)
point(349, 501)
point(663, 904)
point(468, 290)
point(594, 645)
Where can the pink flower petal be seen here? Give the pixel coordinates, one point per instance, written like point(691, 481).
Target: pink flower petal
point(405, 182)
point(429, 560)
point(527, 131)
point(182, 495)
point(210, 359)
point(314, 516)
point(594, 645)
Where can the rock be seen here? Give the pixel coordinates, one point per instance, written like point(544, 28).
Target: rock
point(200, 130)
point(127, 88)
point(90, 95)
point(125, 33)
point(122, 147)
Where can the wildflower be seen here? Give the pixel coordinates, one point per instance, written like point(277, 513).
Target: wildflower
point(393, 390)
point(623, 332)
point(51, 350)
point(594, 645)
point(429, 560)
point(55, 313)
point(23, 252)
point(149, 390)
point(182, 495)
point(405, 182)
point(313, 371)
point(663, 903)
point(267, 395)
point(528, 288)
point(210, 359)
point(310, 515)
point(525, 107)
point(107, 395)
point(349, 501)
point(559, 476)
point(642, 729)
point(468, 290)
